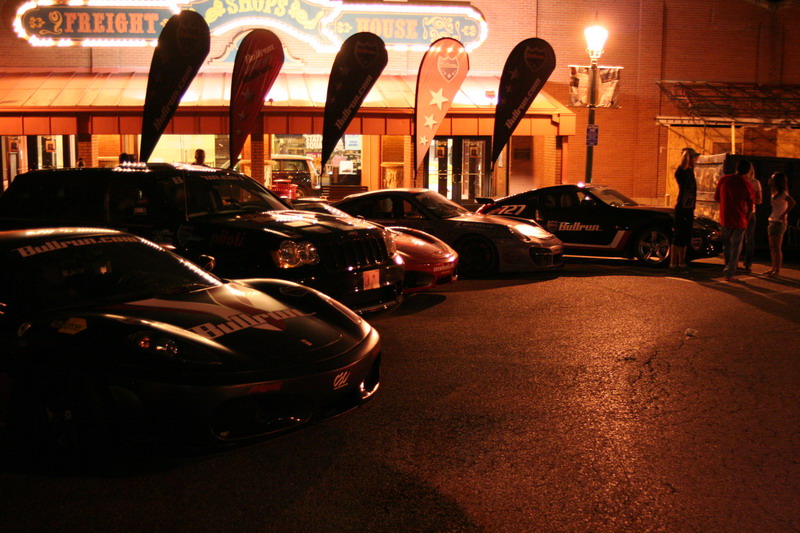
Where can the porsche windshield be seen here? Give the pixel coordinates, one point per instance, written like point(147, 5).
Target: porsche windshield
point(83, 270)
point(440, 205)
point(612, 197)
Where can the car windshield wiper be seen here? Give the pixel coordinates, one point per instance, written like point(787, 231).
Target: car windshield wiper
point(185, 288)
point(245, 209)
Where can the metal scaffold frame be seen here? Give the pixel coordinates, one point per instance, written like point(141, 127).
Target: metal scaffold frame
point(717, 104)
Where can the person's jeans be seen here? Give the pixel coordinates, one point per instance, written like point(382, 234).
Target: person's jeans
point(750, 241)
point(732, 249)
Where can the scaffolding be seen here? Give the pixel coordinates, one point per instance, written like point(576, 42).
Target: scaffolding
point(761, 109)
point(720, 104)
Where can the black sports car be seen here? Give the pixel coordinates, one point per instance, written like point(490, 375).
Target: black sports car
point(601, 221)
point(106, 335)
point(485, 244)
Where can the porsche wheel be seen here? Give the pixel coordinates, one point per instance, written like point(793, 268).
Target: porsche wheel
point(477, 256)
point(651, 246)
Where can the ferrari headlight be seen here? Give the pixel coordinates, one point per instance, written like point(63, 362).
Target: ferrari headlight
point(528, 232)
point(292, 254)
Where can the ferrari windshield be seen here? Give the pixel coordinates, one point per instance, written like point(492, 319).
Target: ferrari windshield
point(74, 271)
point(612, 197)
point(440, 205)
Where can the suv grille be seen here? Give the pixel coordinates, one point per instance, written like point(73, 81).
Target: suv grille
point(358, 252)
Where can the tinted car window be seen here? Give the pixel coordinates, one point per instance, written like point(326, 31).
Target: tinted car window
point(85, 270)
point(142, 203)
point(214, 193)
point(54, 197)
point(294, 166)
point(613, 197)
point(368, 208)
point(568, 200)
point(440, 205)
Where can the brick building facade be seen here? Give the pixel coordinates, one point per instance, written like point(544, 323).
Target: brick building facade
point(730, 41)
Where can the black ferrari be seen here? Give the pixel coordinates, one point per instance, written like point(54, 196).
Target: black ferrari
point(109, 338)
point(600, 221)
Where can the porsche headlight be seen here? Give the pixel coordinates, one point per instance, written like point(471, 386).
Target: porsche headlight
point(156, 344)
point(529, 232)
point(292, 254)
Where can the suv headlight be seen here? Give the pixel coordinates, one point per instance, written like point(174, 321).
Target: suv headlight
point(292, 254)
point(391, 247)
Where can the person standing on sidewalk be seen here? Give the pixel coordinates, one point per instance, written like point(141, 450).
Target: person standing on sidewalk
point(750, 233)
point(735, 197)
point(684, 208)
point(782, 203)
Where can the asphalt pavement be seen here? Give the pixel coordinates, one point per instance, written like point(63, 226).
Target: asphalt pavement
point(602, 397)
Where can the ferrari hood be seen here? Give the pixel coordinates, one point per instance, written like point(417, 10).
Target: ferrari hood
point(418, 250)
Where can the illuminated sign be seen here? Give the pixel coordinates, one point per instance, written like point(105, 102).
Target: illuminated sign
point(324, 24)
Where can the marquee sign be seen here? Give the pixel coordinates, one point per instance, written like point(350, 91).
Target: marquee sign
point(324, 24)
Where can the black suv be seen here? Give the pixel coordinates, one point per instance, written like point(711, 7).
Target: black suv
point(202, 211)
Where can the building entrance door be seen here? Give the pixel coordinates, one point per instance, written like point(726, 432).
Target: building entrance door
point(458, 167)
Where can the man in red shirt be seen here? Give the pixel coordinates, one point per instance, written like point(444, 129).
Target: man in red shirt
point(736, 200)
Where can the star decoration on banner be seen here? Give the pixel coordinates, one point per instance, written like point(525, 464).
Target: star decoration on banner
point(442, 70)
point(437, 98)
point(247, 95)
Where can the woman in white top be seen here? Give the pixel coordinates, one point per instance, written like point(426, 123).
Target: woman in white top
point(782, 203)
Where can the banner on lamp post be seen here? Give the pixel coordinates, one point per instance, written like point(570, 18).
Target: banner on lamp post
point(606, 89)
point(526, 70)
point(182, 47)
point(356, 68)
point(441, 73)
point(256, 67)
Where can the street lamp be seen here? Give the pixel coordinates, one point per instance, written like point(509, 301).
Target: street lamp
point(595, 40)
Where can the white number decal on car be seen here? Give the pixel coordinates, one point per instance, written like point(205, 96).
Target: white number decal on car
point(510, 210)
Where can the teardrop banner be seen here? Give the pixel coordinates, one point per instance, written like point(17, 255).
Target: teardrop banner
point(256, 67)
point(443, 69)
point(527, 68)
point(182, 47)
point(356, 68)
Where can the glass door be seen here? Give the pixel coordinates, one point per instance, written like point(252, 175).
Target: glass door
point(458, 167)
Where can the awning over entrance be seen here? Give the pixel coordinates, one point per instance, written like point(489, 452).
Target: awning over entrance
point(724, 104)
point(60, 103)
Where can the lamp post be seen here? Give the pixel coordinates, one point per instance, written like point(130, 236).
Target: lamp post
point(595, 40)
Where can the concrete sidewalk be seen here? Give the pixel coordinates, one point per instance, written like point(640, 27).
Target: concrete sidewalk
point(711, 269)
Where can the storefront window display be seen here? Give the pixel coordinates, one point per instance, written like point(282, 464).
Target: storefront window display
point(181, 148)
point(344, 165)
